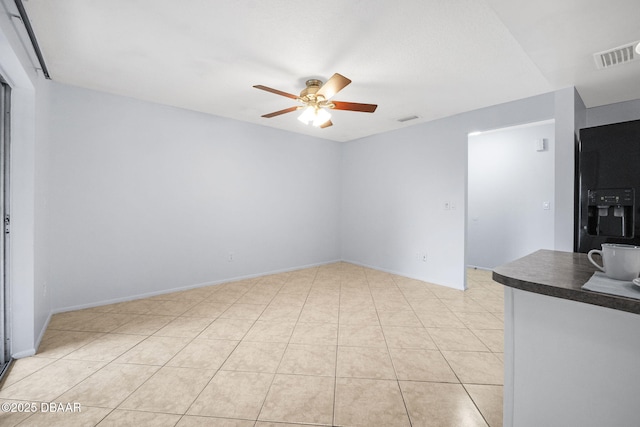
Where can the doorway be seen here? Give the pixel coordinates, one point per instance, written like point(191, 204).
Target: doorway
point(510, 193)
point(5, 139)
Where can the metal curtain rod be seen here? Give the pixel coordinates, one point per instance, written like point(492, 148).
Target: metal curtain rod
point(32, 36)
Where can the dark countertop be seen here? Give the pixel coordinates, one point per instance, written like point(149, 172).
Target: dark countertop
point(561, 275)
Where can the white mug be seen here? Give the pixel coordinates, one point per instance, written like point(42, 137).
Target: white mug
point(620, 262)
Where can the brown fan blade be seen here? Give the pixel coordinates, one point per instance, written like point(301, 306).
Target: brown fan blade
point(326, 124)
point(354, 106)
point(276, 91)
point(335, 84)
point(277, 113)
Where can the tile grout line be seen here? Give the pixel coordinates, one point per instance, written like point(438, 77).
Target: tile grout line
point(469, 394)
point(236, 346)
point(285, 348)
point(393, 365)
point(102, 368)
point(344, 278)
point(447, 360)
point(163, 365)
point(335, 370)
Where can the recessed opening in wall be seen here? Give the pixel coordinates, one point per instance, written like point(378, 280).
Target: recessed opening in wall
point(510, 193)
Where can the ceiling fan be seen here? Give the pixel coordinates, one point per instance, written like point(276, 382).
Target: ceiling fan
point(316, 100)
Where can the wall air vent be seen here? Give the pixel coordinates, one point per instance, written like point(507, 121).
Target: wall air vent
point(406, 119)
point(619, 55)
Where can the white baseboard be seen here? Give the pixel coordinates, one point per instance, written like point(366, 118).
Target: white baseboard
point(476, 267)
point(184, 288)
point(25, 353)
point(397, 273)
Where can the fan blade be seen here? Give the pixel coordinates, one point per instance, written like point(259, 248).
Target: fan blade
point(276, 91)
point(326, 124)
point(335, 84)
point(354, 106)
point(277, 113)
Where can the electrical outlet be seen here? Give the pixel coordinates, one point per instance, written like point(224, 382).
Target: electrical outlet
point(447, 206)
point(230, 257)
point(424, 257)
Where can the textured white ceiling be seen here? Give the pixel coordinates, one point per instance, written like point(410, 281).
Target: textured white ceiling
point(429, 58)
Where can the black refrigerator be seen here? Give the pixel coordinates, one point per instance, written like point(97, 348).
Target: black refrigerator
point(608, 186)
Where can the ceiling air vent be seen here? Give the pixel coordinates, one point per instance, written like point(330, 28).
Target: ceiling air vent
point(619, 55)
point(406, 119)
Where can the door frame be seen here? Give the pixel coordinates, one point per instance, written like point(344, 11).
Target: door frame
point(5, 161)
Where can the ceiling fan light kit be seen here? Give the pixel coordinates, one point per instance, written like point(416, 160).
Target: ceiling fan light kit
point(314, 115)
point(315, 99)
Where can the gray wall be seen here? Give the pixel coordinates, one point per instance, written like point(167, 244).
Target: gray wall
point(28, 311)
point(143, 198)
point(42, 294)
point(395, 186)
point(614, 113)
point(567, 120)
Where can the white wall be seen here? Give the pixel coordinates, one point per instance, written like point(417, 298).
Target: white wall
point(568, 363)
point(613, 113)
point(28, 308)
point(393, 189)
point(567, 119)
point(395, 186)
point(508, 181)
point(143, 198)
point(42, 295)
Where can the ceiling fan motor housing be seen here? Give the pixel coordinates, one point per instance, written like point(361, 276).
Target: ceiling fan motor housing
point(313, 85)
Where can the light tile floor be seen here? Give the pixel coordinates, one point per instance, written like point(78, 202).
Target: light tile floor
point(333, 345)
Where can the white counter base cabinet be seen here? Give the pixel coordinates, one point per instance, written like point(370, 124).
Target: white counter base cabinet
point(569, 364)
